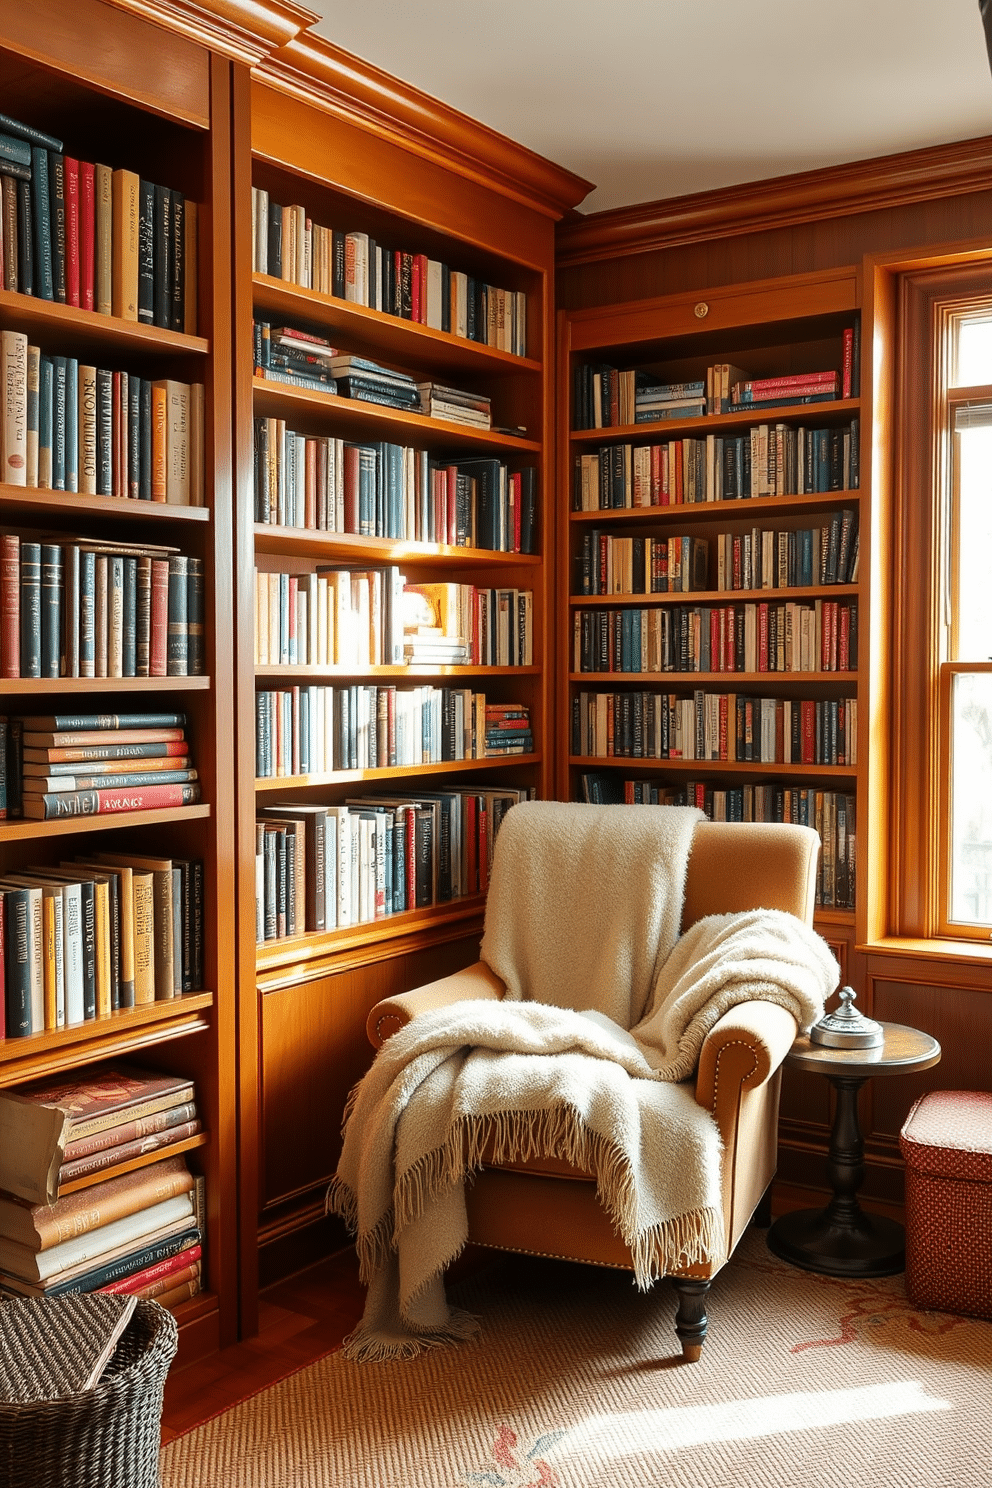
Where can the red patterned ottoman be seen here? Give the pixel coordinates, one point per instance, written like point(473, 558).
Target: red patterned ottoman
point(947, 1145)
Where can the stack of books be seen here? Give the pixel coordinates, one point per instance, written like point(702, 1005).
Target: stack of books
point(776, 392)
point(138, 1230)
point(300, 358)
point(508, 729)
point(654, 400)
point(89, 764)
point(94, 237)
point(441, 402)
point(94, 608)
point(367, 382)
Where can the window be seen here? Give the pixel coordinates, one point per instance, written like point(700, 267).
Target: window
point(966, 681)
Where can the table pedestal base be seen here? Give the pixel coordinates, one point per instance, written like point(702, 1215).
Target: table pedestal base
point(857, 1246)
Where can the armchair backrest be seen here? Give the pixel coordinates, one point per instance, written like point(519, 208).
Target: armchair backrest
point(735, 866)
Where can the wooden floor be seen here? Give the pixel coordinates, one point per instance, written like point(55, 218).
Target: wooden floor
point(299, 1320)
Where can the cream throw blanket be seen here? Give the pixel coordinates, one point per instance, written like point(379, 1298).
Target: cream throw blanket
point(533, 1078)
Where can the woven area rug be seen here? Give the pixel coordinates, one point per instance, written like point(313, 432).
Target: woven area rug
point(804, 1380)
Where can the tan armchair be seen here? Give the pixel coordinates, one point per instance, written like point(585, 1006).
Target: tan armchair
point(546, 1207)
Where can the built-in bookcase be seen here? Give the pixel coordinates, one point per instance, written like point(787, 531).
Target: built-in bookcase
point(708, 636)
point(106, 105)
point(303, 1039)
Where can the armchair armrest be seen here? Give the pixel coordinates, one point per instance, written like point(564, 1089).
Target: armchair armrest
point(475, 983)
point(741, 1052)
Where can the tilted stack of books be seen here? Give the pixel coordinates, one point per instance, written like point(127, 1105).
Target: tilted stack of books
point(441, 402)
point(139, 1229)
point(368, 382)
point(654, 400)
point(92, 764)
point(299, 358)
point(508, 729)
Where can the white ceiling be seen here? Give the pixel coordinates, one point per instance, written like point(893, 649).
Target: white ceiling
point(658, 98)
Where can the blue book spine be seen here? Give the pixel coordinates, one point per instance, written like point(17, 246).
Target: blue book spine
point(87, 614)
point(145, 453)
point(58, 423)
point(16, 151)
point(71, 424)
point(42, 223)
point(29, 133)
point(130, 619)
point(46, 414)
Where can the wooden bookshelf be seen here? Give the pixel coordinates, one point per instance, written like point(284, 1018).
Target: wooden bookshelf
point(772, 329)
point(89, 78)
point(302, 137)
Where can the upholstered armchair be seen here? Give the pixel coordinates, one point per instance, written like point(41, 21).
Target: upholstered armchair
point(548, 1207)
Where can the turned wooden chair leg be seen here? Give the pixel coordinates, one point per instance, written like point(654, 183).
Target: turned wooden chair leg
point(691, 1320)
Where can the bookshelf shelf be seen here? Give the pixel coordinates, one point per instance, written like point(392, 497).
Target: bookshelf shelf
point(46, 686)
point(690, 513)
point(268, 785)
point(714, 767)
point(731, 681)
point(42, 502)
point(351, 548)
point(130, 1029)
point(403, 341)
point(713, 423)
point(372, 421)
point(283, 955)
point(713, 597)
point(64, 327)
point(23, 831)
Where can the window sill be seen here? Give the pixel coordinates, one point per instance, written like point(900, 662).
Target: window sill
point(899, 947)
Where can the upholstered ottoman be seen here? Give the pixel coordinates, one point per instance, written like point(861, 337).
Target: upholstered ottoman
point(947, 1146)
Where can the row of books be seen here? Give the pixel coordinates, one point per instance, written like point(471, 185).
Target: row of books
point(607, 397)
point(69, 426)
point(767, 460)
point(326, 867)
point(94, 763)
point(831, 813)
point(353, 266)
point(716, 726)
point(318, 730)
point(391, 490)
point(85, 234)
point(372, 617)
point(87, 608)
point(87, 938)
point(301, 359)
point(817, 636)
point(761, 558)
point(137, 1232)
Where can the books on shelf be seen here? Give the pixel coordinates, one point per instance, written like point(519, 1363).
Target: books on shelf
point(362, 617)
point(287, 244)
point(731, 727)
point(72, 426)
point(832, 813)
point(125, 741)
point(381, 489)
point(318, 730)
point(87, 235)
point(87, 938)
point(322, 868)
point(458, 407)
point(508, 729)
point(82, 607)
point(41, 1122)
point(796, 636)
point(767, 460)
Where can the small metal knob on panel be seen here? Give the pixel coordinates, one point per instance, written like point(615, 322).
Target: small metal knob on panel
point(701, 310)
point(847, 1028)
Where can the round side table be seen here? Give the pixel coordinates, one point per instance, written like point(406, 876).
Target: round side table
point(842, 1240)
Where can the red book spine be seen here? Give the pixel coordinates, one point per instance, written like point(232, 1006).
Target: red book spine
point(420, 264)
point(87, 234)
point(656, 451)
point(472, 844)
point(847, 362)
point(350, 488)
point(71, 231)
point(793, 380)
point(411, 859)
point(715, 655)
point(678, 498)
point(515, 483)
point(762, 638)
point(844, 639)
point(118, 802)
point(178, 1262)
point(415, 288)
point(159, 629)
point(483, 849)
point(10, 605)
point(807, 715)
point(724, 747)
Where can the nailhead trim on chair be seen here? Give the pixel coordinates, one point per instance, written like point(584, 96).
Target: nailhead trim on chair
point(731, 1044)
point(383, 1021)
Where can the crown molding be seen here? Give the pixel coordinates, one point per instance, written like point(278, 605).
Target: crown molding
point(243, 30)
point(313, 69)
point(783, 201)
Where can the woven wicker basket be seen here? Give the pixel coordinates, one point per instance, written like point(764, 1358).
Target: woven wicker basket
point(102, 1438)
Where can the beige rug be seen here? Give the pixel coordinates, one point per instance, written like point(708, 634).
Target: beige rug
point(804, 1381)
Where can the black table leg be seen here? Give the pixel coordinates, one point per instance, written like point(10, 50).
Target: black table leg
point(841, 1240)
